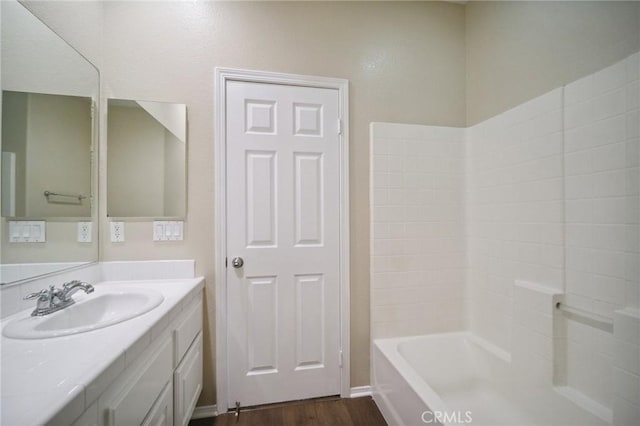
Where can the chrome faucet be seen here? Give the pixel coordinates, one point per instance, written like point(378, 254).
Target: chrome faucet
point(53, 299)
point(68, 289)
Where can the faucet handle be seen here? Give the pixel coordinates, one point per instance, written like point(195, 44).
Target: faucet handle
point(36, 295)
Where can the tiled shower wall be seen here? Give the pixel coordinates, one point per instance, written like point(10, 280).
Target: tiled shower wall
point(549, 193)
point(602, 238)
point(417, 230)
point(601, 188)
point(515, 205)
point(553, 199)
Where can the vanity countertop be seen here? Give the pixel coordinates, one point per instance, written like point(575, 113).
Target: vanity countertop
point(40, 377)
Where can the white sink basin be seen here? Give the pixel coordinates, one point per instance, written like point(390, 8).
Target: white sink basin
point(102, 308)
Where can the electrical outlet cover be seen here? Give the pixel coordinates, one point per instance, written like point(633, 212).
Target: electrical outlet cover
point(117, 232)
point(85, 230)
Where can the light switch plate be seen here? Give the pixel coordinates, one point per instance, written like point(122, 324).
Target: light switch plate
point(27, 231)
point(85, 230)
point(117, 232)
point(167, 230)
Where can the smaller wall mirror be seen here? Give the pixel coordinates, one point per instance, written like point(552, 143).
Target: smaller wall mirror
point(146, 159)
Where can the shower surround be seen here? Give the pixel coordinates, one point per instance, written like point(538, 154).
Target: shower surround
point(541, 200)
point(418, 244)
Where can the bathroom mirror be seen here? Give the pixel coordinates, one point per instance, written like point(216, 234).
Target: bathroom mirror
point(46, 155)
point(48, 134)
point(146, 159)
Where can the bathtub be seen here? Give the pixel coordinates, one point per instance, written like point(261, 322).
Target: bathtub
point(458, 378)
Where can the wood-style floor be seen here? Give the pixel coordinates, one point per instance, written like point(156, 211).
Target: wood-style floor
point(332, 411)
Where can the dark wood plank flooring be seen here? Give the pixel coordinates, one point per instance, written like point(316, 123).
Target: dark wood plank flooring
point(332, 411)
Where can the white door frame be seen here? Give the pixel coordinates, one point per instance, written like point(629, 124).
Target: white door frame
point(222, 75)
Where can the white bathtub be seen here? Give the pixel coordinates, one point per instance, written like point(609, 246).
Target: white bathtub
point(457, 378)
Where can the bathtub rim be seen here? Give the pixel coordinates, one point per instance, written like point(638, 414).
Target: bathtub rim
point(389, 348)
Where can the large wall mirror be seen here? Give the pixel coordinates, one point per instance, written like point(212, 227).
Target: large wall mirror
point(48, 170)
point(146, 159)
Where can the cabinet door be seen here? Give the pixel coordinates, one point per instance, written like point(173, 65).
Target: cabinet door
point(187, 381)
point(131, 397)
point(161, 413)
point(186, 332)
point(89, 417)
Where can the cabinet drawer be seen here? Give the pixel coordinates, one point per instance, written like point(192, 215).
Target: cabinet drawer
point(161, 413)
point(187, 329)
point(187, 381)
point(129, 399)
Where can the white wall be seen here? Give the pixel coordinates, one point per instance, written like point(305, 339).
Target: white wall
point(418, 265)
point(518, 50)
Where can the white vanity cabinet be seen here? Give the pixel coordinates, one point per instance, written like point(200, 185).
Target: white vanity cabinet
point(162, 385)
point(187, 377)
point(128, 400)
point(161, 414)
point(187, 383)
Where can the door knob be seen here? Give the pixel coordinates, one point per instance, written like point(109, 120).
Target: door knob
point(237, 262)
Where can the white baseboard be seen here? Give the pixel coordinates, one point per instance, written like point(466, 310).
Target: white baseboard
point(204, 412)
point(359, 391)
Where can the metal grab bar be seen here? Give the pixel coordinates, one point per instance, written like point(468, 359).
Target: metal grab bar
point(79, 197)
point(585, 314)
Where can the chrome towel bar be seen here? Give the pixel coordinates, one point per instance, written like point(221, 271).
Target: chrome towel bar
point(79, 197)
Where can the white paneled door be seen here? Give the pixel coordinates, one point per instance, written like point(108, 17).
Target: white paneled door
point(283, 235)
